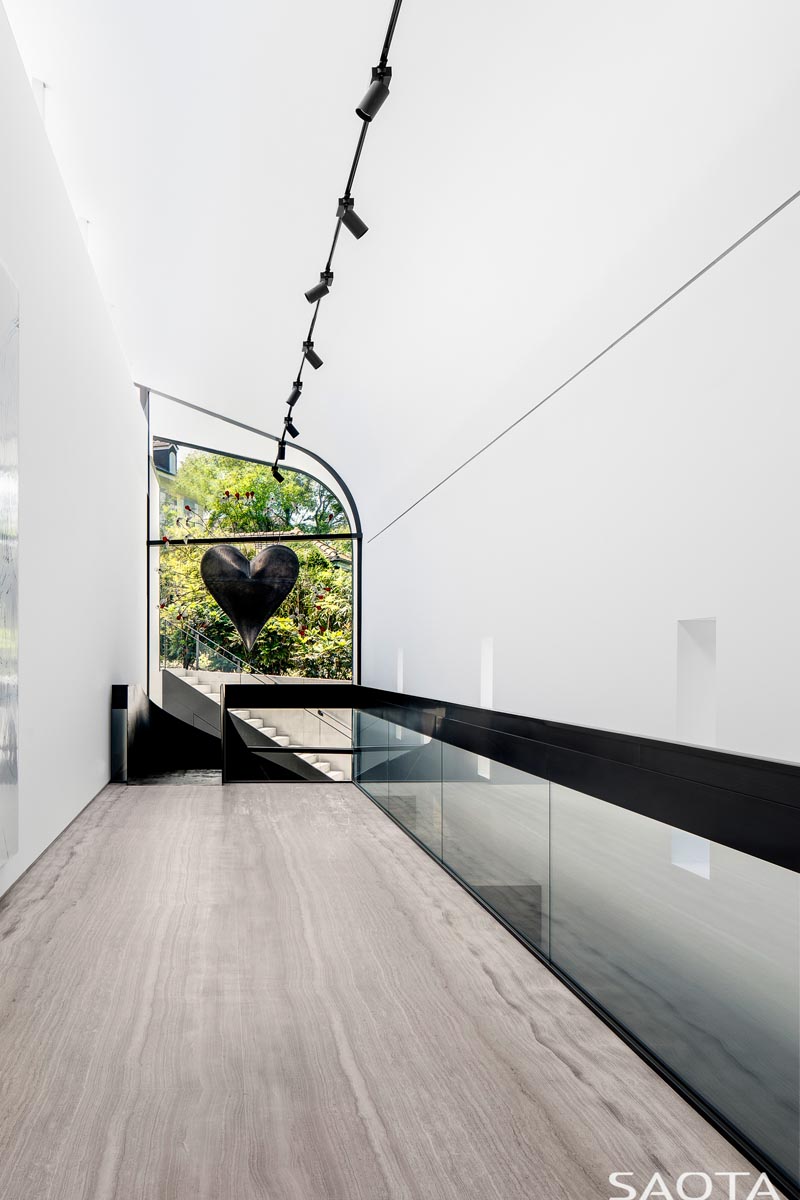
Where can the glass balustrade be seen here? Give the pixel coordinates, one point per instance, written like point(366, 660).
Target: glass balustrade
point(691, 946)
point(695, 950)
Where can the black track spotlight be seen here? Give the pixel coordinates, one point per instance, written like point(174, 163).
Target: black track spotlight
point(294, 395)
point(320, 289)
point(376, 93)
point(281, 451)
point(311, 355)
point(349, 218)
point(290, 427)
point(276, 473)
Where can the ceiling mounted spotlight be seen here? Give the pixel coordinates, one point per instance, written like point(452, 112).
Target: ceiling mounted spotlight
point(320, 289)
point(349, 218)
point(277, 473)
point(376, 93)
point(372, 102)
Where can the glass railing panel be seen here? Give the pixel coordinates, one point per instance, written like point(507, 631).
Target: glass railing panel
point(302, 728)
point(695, 948)
point(415, 784)
point(495, 837)
point(324, 727)
point(294, 738)
point(321, 766)
point(692, 947)
point(371, 755)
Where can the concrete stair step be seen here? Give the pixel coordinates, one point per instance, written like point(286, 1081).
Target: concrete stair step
point(281, 739)
point(337, 776)
point(323, 766)
point(309, 758)
point(256, 722)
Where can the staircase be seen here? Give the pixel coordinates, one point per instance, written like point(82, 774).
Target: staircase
point(208, 683)
point(182, 645)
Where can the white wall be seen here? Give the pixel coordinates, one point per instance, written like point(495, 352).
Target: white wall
point(661, 486)
point(82, 486)
point(540, 178)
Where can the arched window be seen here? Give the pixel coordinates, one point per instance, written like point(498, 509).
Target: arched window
point(200, 497)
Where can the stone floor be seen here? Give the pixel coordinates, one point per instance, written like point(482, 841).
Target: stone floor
point(269, 991)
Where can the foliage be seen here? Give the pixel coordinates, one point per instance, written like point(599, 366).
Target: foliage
point(233, 495)
point(215, 496)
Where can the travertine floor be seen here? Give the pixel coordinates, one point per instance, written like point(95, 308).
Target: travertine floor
point(271, 992)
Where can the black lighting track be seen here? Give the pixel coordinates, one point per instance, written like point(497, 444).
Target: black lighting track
point(346, 216)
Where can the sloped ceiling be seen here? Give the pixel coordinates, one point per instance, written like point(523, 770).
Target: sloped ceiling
point(539, 178)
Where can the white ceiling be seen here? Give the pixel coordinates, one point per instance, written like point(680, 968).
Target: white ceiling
point(540, 176)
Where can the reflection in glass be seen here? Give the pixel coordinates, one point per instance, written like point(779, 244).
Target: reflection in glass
point(415, 785)
point(371, 755)
point(322, 738)
point(495, 837)
point(701, 966)
point(692, 946)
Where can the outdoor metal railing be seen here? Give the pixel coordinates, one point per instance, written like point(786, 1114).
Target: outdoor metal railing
point(196, 652)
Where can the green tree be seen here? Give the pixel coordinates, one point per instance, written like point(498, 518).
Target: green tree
point(232, 495)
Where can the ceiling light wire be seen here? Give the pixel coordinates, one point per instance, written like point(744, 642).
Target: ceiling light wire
point(345, 215)
point(387, 45)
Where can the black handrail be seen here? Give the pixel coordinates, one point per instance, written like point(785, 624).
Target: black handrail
point(749, 804)
point(242, 667)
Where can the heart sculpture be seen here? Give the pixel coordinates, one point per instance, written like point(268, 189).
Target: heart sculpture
point(249, 591)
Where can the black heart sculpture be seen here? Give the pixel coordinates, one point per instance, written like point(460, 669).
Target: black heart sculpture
point(249, 591)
